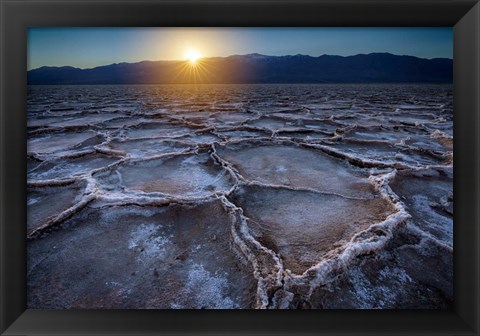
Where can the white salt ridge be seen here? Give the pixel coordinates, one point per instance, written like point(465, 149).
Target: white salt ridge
point(441, 135)
point(267, 279)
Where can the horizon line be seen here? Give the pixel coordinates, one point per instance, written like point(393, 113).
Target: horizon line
point(233, 55)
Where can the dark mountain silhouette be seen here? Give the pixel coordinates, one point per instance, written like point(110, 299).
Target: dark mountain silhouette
point(256, 68)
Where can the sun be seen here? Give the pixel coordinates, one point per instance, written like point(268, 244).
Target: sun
point(193, 69)
point(192, 55)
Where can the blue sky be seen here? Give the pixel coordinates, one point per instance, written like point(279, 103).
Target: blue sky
point(90, 47)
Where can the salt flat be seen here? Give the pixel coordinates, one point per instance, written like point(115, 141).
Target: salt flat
point(240, 196)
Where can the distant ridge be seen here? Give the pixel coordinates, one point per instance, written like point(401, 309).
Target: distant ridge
point(257, 68)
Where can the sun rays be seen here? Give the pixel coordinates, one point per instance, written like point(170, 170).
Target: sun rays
point(194, 69)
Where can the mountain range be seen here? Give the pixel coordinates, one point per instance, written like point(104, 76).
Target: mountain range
point(256, 68)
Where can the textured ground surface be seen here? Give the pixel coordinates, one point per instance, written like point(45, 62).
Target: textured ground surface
point(240, 196)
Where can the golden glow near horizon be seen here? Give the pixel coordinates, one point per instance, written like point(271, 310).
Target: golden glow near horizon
point(194, 69)
point(93, 47)
point(192, 55)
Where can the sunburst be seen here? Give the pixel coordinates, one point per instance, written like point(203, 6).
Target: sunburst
point(193, 69)
point(192, 55)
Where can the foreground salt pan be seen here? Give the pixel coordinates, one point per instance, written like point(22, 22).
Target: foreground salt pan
point(240, 196)
point(176, 256)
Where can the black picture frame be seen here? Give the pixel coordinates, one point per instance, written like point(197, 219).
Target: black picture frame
point(17, 15)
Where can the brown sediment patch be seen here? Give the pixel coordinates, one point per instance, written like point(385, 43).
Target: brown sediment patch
point(303, 226)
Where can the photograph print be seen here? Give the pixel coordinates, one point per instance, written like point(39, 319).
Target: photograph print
point(240, 168)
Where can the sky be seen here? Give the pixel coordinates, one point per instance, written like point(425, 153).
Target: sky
point(91, 47)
